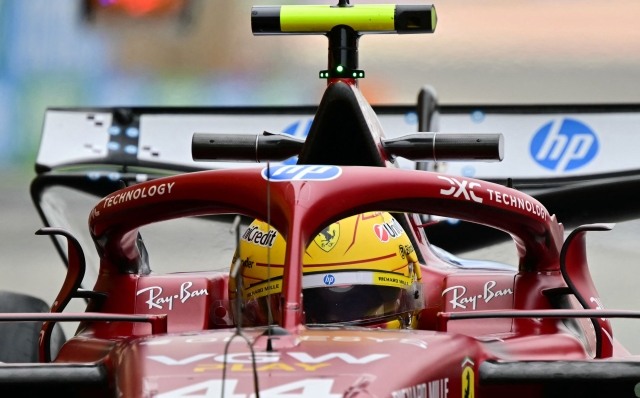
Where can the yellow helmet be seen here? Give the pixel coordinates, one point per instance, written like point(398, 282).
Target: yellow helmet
point(359, 270)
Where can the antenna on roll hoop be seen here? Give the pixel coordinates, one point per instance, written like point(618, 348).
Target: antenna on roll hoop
point(269, 312)
point(237, 275)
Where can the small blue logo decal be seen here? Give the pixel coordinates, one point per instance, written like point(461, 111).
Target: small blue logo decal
point(477, 116)
point(114, 176)
point(113, 146)
point(329, 279)
point(299, 172)
point(411, 118)
point(468, 171)
point(299, 129)
point(114, 130)
point(132, 132)
point(564, 145)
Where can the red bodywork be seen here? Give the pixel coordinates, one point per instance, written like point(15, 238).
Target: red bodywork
point(333, 360)
point(342, 360)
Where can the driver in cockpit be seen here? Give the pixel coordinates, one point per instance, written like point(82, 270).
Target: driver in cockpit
point(361, 270)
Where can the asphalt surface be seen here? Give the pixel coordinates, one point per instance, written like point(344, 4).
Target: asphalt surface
point(30, 264)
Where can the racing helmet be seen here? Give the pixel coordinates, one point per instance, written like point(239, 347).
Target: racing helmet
point(362, 270)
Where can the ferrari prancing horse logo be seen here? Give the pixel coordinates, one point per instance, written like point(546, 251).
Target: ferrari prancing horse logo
point(328, 237)
point(467, 382)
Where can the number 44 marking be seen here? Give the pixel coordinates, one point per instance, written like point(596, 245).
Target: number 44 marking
point(307, 388)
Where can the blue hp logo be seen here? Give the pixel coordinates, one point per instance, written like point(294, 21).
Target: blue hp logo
point(563, 145)
point(300, 172)
point(299, 129)
point(329, 279)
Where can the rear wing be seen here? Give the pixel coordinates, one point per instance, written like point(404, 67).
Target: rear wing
point(570, 157)
point(156, 137)
point(551, 145)
point(545, 145)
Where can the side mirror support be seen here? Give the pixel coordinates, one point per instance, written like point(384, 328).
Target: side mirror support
point(75, 274)
point(427, 109)
point(575, 270)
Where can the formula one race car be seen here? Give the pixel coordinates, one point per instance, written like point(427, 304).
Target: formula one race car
point(334, 289)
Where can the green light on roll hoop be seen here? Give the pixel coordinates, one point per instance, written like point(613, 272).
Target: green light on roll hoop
point(341, 71)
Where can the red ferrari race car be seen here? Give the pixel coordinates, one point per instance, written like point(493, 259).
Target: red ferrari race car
point(334, 289)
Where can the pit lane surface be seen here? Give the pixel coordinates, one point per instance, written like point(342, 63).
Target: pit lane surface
point(30, 264)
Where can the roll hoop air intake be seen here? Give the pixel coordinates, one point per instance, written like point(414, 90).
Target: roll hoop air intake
point(417, 147)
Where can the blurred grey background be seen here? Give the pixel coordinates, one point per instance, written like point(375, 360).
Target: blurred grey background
point(201, 52)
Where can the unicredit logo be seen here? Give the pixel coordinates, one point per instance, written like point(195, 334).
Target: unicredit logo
point(564, 145)
point(256, 236)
